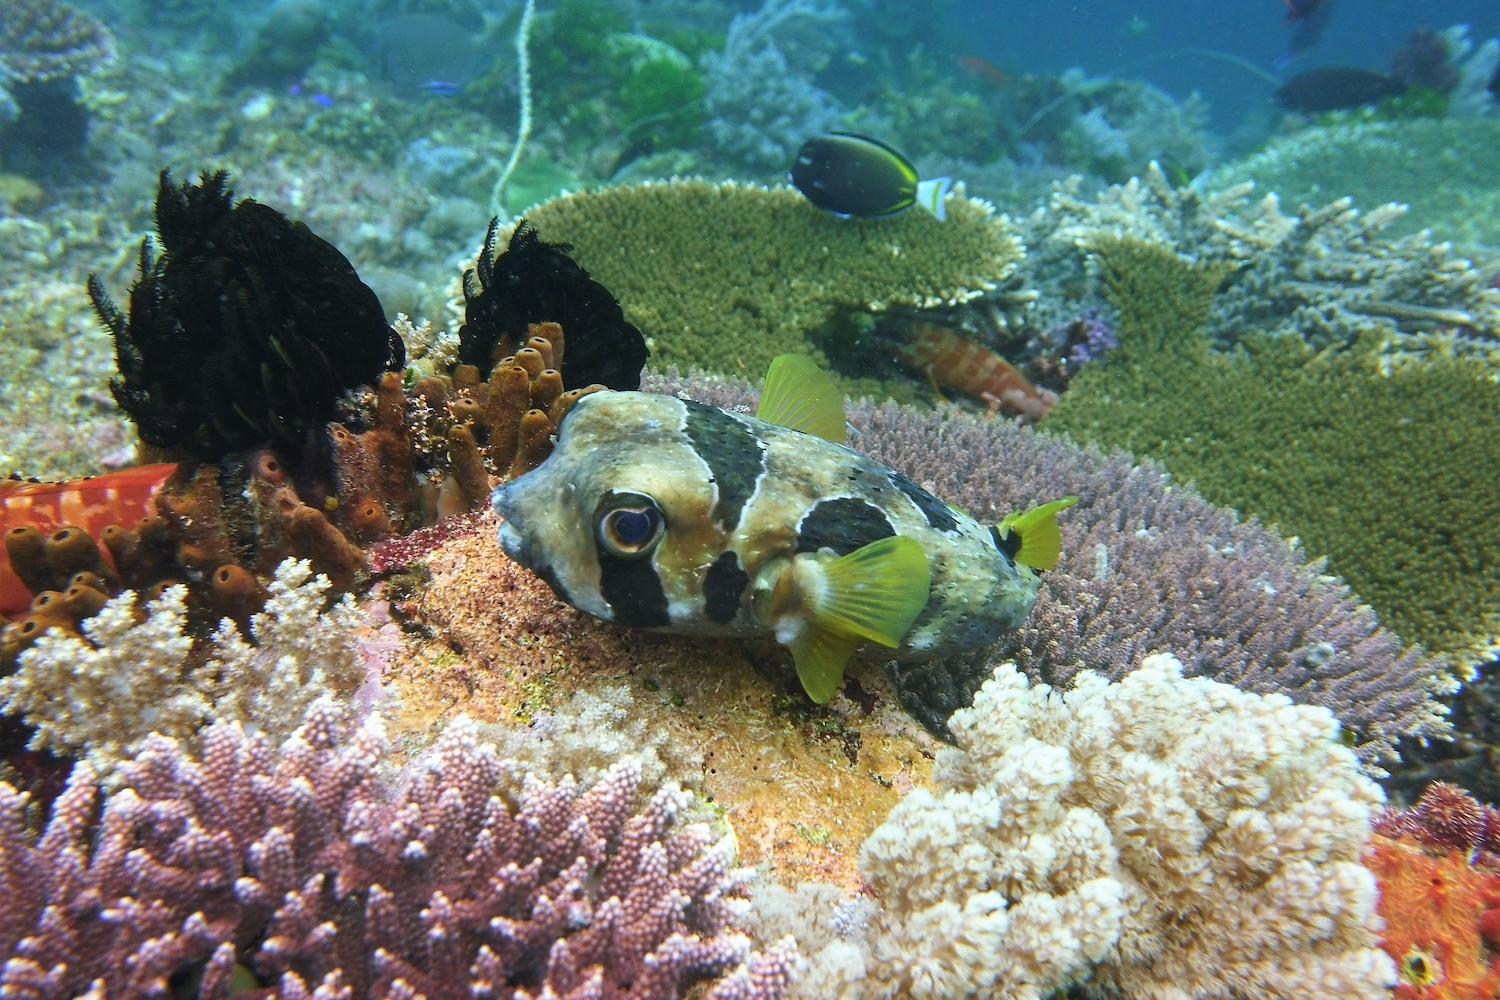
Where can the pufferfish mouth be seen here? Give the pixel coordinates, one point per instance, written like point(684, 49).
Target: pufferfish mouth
point(502, 501)
point(512, 543)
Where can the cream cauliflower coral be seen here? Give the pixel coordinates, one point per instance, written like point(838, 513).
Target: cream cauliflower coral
point(1160, 837)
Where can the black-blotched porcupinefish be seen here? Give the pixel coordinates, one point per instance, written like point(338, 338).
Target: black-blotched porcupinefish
point(661, 513)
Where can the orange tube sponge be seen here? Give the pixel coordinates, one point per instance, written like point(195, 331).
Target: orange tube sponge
point(1442, 921)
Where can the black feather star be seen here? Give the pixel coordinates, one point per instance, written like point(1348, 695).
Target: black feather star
point(536, 282)
point(244, 331)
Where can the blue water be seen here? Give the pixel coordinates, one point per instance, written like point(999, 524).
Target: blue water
point(1038, 36)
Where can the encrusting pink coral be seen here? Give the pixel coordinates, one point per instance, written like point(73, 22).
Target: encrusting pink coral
point(300, 865)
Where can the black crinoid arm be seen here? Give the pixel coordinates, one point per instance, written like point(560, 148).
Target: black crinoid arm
point(531, 281)
point(243, 330)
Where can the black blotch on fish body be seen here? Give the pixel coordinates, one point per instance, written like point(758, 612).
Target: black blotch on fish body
point(244, 331)
point(1007, 546)
point(843, 525)
point(633, 591)
point(734, 455)
point(536, 282)
point(723, 587)
point(853, 174)
point(1335, 89)
point(939, 515)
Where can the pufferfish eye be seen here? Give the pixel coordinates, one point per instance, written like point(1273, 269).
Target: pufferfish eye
point(631, 525)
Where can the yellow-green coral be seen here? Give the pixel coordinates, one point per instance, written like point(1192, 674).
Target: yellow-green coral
point(726, 276)
point(1386, 465)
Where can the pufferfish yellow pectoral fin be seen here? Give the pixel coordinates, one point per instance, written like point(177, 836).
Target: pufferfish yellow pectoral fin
point(872, 594)
point(800, 395)
point(1038, 532)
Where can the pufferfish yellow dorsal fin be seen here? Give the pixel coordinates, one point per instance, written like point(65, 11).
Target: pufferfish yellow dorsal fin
point(800, 395)
point(1037, 530)
point(872, 594)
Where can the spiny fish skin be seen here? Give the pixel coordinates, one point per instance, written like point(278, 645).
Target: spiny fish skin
point(740, 498)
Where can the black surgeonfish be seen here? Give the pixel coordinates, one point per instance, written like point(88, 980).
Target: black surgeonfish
point(849, 174)
point(1320, 90)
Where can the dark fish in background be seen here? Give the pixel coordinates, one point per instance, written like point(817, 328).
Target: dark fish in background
point(1308, 18)
point(1495, 84)
point(425, 55)
point(1320, 90)
point(853, 175)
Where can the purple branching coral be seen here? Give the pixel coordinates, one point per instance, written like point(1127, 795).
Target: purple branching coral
point(1150, 566)
point(1089, 337)
point(301, 865)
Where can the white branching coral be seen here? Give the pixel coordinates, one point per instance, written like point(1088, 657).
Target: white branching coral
point(133, 674)
point(591, 733)
point(1323, 274)
point(301, 651)
point(1160, 837)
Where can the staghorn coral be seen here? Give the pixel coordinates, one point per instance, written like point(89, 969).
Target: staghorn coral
point(726, 276)
point(43, 40)
point(1335, 447)
point(1147, 565)
point(299, 865)
point(1441, 916)
point(134, 671)
point(1156, 837)
point(1436, 166)
point(1323, 274)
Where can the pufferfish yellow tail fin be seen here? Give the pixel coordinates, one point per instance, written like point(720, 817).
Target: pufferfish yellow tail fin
point(872, 594)
point(800, 395)
point(1032, 537)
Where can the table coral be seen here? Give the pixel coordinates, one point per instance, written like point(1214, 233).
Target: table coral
point(1384, 465)
point(727, 276)
point(1436, 166)
point(44, 40)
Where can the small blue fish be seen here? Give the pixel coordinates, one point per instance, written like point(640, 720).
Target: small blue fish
point(441, 88)
point(854, 175)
